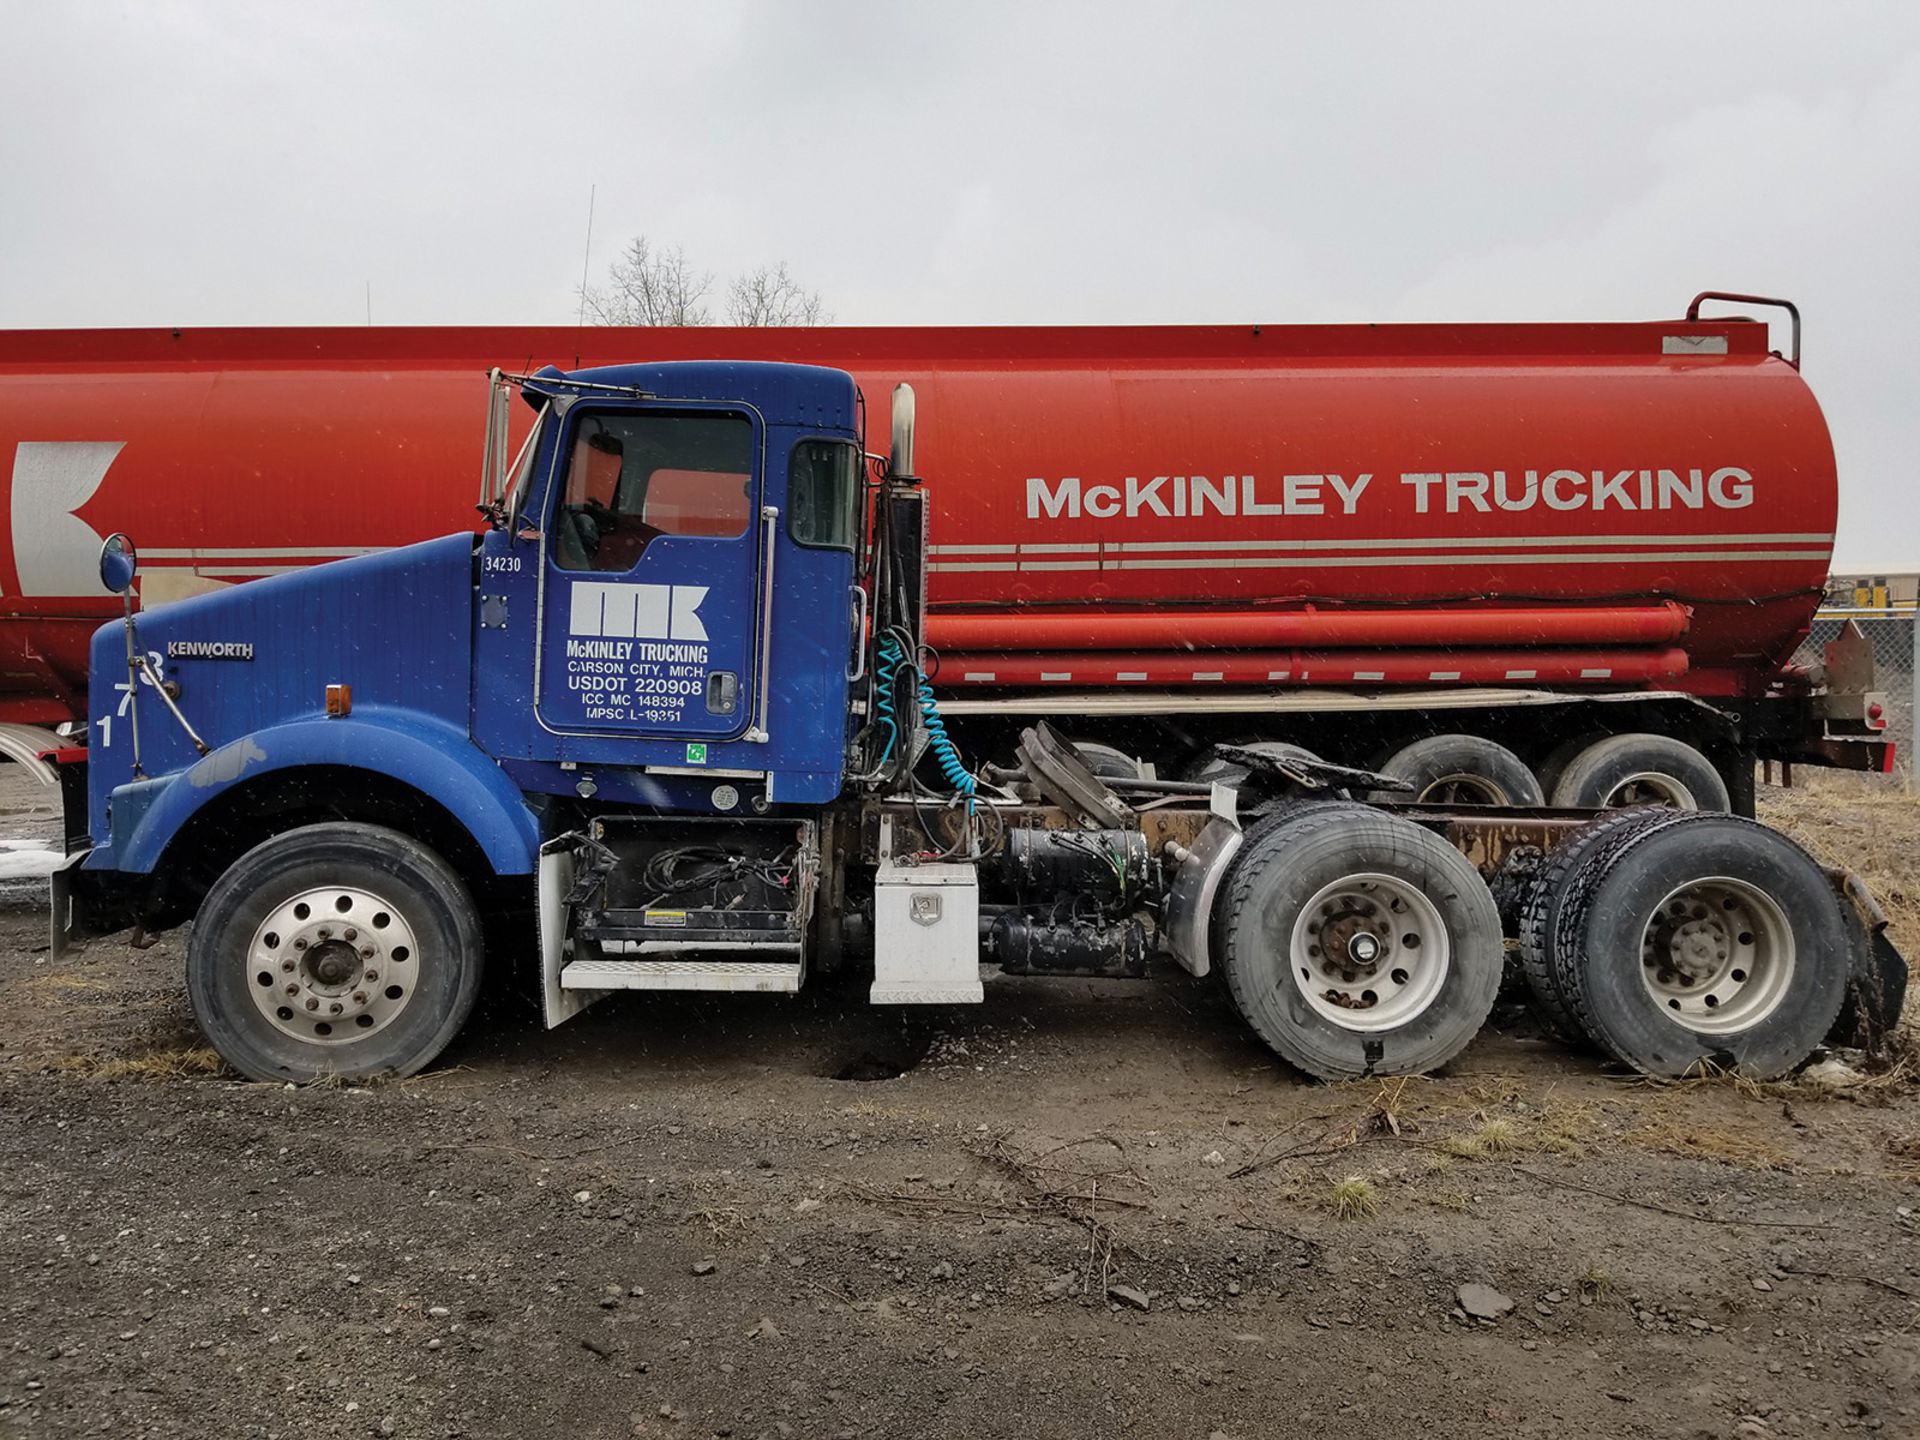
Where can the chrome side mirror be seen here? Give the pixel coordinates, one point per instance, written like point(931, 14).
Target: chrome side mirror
point(119, 563)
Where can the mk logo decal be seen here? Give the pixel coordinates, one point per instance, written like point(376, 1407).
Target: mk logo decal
point(637, 612)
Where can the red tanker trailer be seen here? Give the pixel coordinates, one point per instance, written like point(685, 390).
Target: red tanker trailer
point(1503, 561)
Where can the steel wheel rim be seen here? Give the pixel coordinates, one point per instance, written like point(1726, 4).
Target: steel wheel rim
point(1650, 787)
point(332, 964)
point(1717, 955)
point(1463, 789)
point(1369, 952)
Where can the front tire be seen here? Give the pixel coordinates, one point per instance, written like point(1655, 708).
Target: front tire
point(1357, 943)
point(334, 951)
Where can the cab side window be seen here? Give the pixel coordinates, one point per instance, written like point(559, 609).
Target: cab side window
point(823, 485)
point(634, 478)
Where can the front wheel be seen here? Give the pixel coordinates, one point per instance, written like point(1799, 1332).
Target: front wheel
point(334, 951)
point(1357, 943)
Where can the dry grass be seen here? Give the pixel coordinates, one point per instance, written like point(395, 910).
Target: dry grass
point(723, 1223)
point(1353, 1198)
point(1898, 1069)
point(1496, 1136)
point(185, 1064)
point(1452, 1201)
point(63, 980)
point(1595, 1284)
point(1719, 1147)
point(1864, 825)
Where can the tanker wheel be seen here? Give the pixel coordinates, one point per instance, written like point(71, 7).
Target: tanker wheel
point(334, 951)
point(1626, 770)
point(1109, 762)
point(1540, 937)
point(1460, 770)
point(1356, 943)
point(1706, 942)
point(1553, 764)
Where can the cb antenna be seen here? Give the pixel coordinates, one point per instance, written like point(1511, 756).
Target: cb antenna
point(586, 259)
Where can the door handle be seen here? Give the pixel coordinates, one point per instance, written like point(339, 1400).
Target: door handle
point(769, 517)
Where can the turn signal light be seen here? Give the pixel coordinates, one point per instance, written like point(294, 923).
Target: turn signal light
point(339, 701)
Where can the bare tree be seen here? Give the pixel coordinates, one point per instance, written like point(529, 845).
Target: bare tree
point(769, 295)
point(646, 286)
point(656, 286)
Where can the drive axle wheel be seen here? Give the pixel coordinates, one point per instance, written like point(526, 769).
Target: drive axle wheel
point(1357, 943)
point(1369, 951)
point(1707, 941)
point(1541, 938)
point(334, 950)
point(1719, 954)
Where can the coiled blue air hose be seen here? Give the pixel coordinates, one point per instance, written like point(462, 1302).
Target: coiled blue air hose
point(888, 656)
point(944, 750)
point(945, 753)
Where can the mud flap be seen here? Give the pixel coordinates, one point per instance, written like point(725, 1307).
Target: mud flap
point(1191, 896)
point(69, 926)
point(556, 942)
point(1877, 983)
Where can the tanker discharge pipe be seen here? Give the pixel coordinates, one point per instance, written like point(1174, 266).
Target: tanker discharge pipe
point(1660, 624)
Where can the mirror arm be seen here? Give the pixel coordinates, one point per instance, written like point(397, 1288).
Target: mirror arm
point(167, 700)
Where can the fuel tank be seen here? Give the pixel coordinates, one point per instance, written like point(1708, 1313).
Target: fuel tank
point(1199, 505)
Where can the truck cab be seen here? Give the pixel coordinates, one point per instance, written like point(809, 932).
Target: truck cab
point(666, 614)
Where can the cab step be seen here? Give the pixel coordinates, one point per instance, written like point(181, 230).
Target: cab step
point(771, 977)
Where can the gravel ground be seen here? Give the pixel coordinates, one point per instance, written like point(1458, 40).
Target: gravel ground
point(1082, 1209)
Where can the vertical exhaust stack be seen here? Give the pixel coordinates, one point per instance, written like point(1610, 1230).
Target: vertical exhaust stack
point(900, 463)
point(906, 523)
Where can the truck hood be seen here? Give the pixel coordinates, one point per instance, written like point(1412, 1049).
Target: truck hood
point(394, 626)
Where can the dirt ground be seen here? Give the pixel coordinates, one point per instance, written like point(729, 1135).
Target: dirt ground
point(1081, 1209)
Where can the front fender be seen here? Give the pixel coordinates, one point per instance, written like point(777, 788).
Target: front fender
point(432, 757)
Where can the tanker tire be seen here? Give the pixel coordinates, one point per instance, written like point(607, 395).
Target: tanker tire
point(438, 984)
point(1625, 770)
point(1625, 893)
point(1539, 921)
point(1554, 763)
point(1108, 761)
point(1461, 770)
point(1303, 856)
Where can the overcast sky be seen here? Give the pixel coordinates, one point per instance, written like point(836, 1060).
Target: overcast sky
point(251, 164)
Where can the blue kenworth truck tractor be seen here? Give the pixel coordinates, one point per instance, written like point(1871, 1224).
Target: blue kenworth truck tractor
point(674, 702)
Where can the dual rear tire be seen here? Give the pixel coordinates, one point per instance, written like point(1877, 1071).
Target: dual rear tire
point(1681, 942)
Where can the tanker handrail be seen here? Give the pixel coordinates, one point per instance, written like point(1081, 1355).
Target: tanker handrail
point(1793, 311)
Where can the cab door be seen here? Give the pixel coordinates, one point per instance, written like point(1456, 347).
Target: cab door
point(651, 574)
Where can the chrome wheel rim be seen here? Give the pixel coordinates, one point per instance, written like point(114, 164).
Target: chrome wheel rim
point(333, 964)
point(1717, 955)
point(1369, 952)
point(1650, 787)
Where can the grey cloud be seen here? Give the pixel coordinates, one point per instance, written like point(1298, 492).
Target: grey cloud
point(247, 164)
